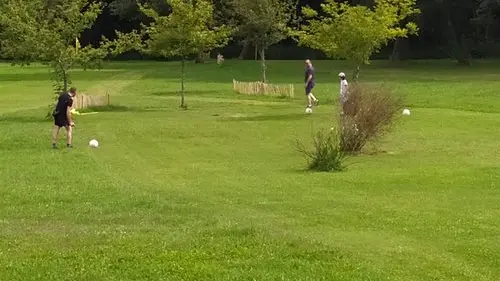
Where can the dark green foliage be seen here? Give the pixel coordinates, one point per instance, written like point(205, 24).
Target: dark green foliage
point(262, 23)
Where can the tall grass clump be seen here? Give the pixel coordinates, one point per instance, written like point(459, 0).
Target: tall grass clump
point(326, 154)
point(368, 114)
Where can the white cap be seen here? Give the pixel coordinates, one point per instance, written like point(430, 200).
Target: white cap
point(341, 74)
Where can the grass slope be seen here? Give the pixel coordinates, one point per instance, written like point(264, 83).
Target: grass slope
point(218, 192)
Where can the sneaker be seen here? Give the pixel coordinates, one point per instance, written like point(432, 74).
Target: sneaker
point(54, 146)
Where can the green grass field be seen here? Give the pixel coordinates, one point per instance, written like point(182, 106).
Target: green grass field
point(218, 192)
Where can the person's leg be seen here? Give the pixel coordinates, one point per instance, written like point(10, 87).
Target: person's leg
point(313, 98)
point(69, 135)
point(310, 94)
point(346, 107)
point(55, 134)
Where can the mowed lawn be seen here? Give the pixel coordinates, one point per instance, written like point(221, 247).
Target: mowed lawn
point(218, 192)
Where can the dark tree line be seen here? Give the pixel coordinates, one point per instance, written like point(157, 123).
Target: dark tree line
point(458, 29)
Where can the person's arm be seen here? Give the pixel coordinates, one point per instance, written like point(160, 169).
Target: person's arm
point(68, 115)
point(309, 77)
point(68, 111)
point(344, 90)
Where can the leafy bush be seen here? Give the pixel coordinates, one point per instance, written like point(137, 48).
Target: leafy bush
point(326, 154)
point(368, 113)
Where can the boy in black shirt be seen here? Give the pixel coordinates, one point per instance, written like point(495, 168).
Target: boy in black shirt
point(62, 117)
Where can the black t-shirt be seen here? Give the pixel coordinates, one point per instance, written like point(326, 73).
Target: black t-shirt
point(63, 102)
point(310, 71)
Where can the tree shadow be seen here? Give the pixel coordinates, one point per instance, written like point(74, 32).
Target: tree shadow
point(177, 93)
point(40, 116)
point(45, 76)
point(282, 117)
point(306, 171)
point(107, 108)
point(24, 119)
point(123, 108)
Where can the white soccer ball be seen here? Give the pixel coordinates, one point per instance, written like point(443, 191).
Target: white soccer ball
point(93, 143)
point(406, 111)
point(309, 110)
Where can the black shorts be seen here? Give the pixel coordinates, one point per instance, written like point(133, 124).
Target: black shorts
point(309, 88)
point(61, 121)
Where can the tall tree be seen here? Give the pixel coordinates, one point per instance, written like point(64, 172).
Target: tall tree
point(458, 29)
point(188, 30)
point(48, 31)
point(263, 23)
point(485, 16)
point(224, 14)
point(356, 32)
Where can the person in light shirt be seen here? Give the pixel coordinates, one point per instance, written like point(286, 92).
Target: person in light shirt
point(343, 91)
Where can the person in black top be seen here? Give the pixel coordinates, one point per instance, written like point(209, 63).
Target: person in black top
point(62, 117)
point(310, 81)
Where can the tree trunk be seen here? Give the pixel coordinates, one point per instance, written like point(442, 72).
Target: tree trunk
point(396, 53)
point(65, 79)
point(183, 105)
point(458, 51)
point(263, 64)
point(244, 50)
point(355, 74)
point(487, 29)
point(200, 58)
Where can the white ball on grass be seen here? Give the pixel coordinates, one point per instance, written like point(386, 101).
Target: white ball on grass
point(94, 143)
point(309, 110)
point(406, 111)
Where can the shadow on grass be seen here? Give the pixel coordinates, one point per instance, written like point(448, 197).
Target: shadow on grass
point(305, 170)
point(187, 93)
point(45, 75)
point(108, 108)
point(122, 108)
point(309, 172)
point(24, 119)
point(282, 117)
